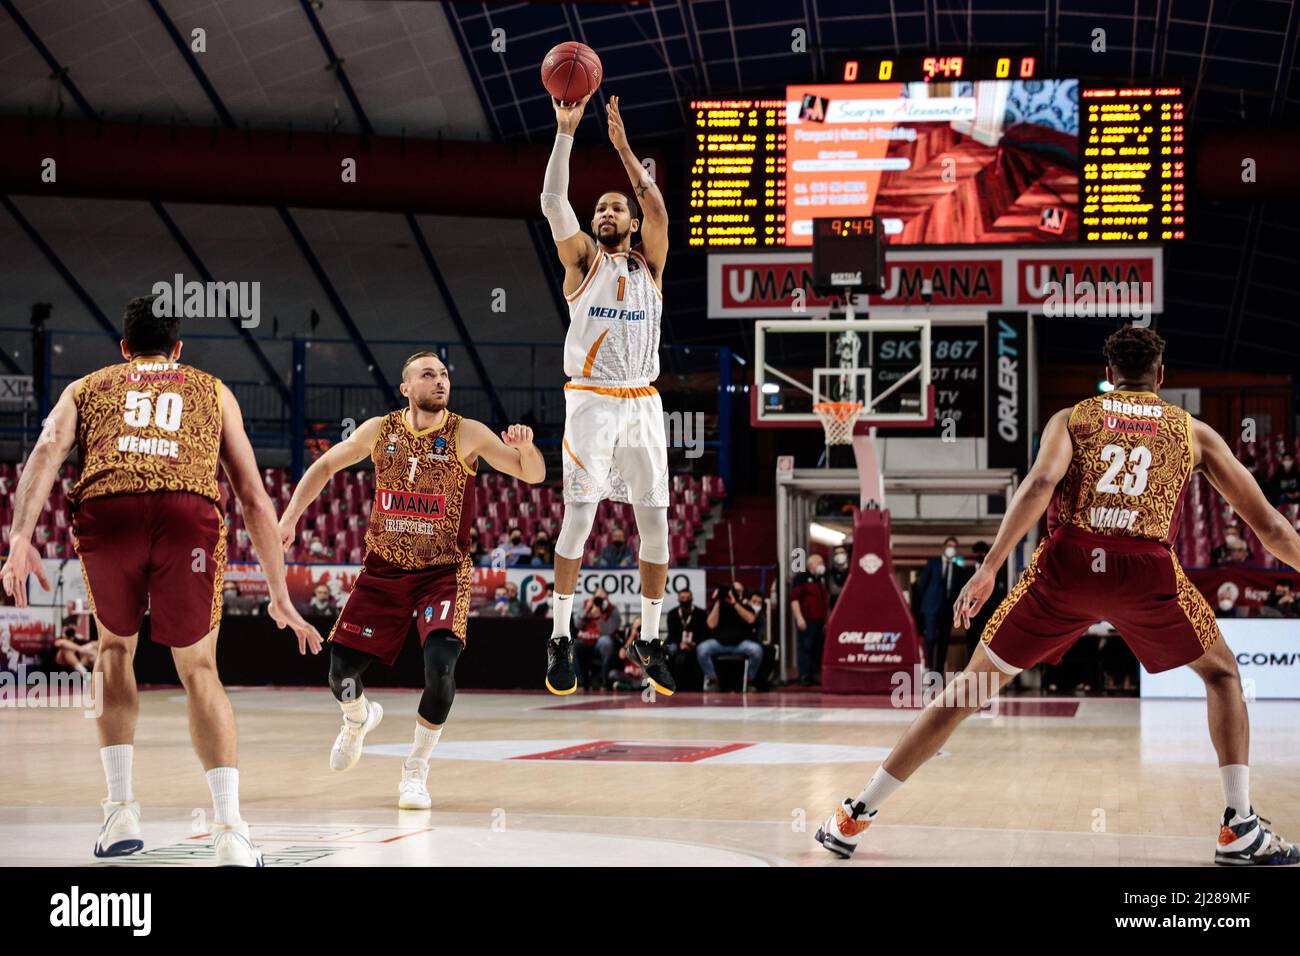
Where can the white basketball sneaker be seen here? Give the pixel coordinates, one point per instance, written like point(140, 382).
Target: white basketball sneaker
point(347, 745)
point(412, 794)
point(842, 833)
point(233, 846)
point(120, 834)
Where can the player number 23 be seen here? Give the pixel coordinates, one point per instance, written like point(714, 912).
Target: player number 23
point(140, 408)
point(1135, 477)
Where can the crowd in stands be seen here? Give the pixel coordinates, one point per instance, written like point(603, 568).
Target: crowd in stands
point(514, 522)
point(1211, 534)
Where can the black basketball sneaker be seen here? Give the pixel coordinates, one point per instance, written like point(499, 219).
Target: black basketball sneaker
point(560, 678)
point(1250, 842)
point(654, 661)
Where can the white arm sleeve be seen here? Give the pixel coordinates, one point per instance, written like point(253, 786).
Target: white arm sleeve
point(555, 191)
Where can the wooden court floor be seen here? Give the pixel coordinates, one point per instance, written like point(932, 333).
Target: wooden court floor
point(609, 779)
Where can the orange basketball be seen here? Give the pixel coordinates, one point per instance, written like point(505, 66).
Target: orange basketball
point(570, 71)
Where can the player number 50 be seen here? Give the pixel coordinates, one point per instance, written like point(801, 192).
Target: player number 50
point(1135, 478)
point(140, 409)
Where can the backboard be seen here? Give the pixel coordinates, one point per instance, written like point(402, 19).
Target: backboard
point(882, 363)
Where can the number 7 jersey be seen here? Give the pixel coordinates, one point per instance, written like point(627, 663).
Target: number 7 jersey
point(1133, 456)
point(148, 426)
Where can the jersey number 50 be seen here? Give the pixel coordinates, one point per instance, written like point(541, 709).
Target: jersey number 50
point(1135, 478)
point(140, 409)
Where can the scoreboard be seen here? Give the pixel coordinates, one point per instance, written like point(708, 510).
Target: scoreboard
point(925, 68)
point(1048, 160)
point(737, 175)
point(1133, 165)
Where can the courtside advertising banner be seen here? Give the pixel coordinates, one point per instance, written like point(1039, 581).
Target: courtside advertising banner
point(623, 585)
point(1268, 657)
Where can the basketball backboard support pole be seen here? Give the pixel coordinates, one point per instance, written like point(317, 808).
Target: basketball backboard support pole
point(798, 489)
point(871, 481)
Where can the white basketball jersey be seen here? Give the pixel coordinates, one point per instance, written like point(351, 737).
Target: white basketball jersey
point(614, 318)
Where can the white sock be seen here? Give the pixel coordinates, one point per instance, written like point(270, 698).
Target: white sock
point(878, 789)
point(1236, 787)
point(117, 770)
point(425, 741)
point(224, 784)
point(650, 609)
point(563, 614)
point(355, 710)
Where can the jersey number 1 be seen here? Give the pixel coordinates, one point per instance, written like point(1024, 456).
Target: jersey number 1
point(622, 287)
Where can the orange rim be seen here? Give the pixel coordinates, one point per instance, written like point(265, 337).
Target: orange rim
point(838, 411)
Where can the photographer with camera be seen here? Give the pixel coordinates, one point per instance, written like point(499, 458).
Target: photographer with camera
point(731, 625)
point(598, 626)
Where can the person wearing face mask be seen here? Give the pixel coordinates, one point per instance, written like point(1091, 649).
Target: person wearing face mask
point(688, 627)
point(543, 550)
point(1234, 549)
point(937, 588)
point(617, 554)
point(477, 553)
point(838, 574)
point(731, 624)
point(598, 627)
point(322, 601)
point(1284, 487)
point(500, 606)
point(516, 550)
point(1226, 599)
point(808, 604)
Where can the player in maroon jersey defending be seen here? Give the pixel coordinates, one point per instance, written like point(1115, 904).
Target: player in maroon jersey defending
point(417, 554)
point(148, 528)
point(1114, 470)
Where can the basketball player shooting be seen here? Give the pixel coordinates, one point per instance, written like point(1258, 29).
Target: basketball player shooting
point(149, 531)
point(614, 445)
point(1113, 469)
point(417, 558)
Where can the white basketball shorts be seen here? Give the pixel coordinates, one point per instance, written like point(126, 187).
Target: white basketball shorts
point(614, 445)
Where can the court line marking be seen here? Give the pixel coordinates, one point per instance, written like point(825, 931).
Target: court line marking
point(710, 820)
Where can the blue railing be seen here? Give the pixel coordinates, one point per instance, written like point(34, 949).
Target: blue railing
point(319, 409)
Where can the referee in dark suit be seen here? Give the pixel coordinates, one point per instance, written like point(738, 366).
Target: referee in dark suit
point(940, 582)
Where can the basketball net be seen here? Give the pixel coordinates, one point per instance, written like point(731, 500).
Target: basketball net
point(839, 417)
point(838, 420)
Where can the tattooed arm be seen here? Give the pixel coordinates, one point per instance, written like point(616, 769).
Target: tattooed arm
point(654, 214)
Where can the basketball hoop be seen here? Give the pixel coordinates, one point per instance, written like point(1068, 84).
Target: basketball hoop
point(838, 419)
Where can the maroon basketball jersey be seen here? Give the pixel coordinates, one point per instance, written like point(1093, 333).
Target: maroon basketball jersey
point(1132, 460)
point(148, 426)
point(424, 494)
